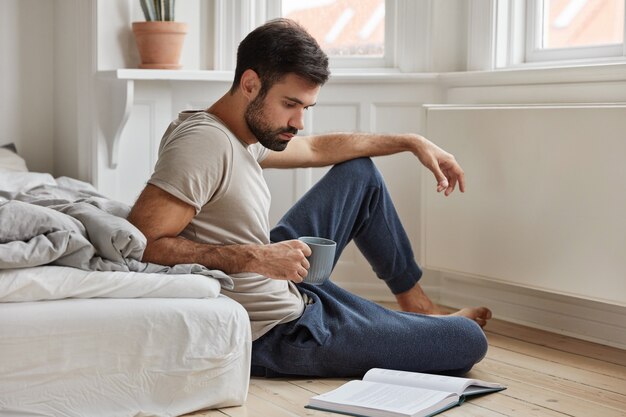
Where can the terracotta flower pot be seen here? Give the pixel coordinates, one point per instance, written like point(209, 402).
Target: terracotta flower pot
point(160, 43)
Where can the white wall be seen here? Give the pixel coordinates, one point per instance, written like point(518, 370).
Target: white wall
point(27, 80)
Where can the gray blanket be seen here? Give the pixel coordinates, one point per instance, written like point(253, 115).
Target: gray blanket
point(69, 223)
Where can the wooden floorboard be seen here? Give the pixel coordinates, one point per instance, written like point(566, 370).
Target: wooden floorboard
point(559, 342)
point(546, 374)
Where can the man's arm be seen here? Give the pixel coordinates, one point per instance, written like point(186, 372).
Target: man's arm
point(330, 149)
point(161, 217)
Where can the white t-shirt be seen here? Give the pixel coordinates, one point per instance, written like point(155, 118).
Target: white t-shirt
point(202, 163)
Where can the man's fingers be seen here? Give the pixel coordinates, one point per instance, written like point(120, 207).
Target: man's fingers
point(442, 181)
point(452, 183)
point(462, 181)
point(306, 250)
point(298, 244)
point(452, 179)
point(450, 187)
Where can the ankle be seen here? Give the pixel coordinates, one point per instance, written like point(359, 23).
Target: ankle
point(416, 301)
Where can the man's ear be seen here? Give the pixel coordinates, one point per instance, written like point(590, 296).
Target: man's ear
point(250, 84)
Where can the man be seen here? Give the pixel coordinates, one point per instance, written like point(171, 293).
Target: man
point(207, 203)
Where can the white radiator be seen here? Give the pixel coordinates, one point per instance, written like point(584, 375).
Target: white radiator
point(545, 206)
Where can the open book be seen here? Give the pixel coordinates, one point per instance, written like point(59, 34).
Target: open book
point(387, 393)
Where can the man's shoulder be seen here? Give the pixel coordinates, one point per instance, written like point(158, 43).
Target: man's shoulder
point(198, 129)
point(200, 121)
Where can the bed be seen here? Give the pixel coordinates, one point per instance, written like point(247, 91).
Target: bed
point(88, 329)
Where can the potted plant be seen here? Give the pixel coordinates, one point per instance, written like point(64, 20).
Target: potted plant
point(159, 39)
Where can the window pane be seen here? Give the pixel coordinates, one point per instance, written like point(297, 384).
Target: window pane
point(342, 27)
point(569, 23)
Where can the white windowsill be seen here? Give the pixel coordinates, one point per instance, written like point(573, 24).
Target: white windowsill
point(533, 74)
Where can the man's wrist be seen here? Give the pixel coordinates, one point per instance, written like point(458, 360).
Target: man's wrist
point(232, 259)
point(417, 143)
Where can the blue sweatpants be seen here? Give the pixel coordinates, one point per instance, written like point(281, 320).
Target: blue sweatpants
point(340, 334)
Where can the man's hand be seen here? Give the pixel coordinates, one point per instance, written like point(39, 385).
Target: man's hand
point(283, 260)
point(443, 165)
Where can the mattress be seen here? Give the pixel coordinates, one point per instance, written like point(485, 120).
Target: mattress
point(122, 357)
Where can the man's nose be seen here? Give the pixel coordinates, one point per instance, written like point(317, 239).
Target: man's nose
point(297, 120)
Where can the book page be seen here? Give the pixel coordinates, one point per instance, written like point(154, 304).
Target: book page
point(390, 398)
point(428, 381)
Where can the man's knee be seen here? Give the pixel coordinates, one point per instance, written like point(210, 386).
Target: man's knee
point(361, 169)
point(474, 345)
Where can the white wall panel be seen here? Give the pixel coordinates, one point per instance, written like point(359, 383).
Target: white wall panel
point(598, 92)
point(545, 202)
point(336, 117)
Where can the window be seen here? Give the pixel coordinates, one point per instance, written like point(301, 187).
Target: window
point(353, 33)
point(556, 31)
point(344, 27)
point(574, 23)
point(367, 35)
point(574, 29)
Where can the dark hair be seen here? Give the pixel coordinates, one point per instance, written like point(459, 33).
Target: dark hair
point(277, 48)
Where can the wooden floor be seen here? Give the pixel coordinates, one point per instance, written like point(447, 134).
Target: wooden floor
point(545, 374)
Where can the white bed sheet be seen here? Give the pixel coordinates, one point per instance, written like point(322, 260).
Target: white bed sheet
point(122, 357)
point(57, 282)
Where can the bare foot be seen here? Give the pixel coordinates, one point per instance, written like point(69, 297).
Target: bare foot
point(479, 314)
point(415, 300)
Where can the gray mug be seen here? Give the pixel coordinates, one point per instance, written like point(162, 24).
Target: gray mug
point(321, 259)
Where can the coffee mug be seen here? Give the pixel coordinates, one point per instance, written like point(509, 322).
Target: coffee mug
point(321, 259)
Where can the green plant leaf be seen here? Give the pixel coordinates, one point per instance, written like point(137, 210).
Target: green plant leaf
point(147, 6)
point(157, 7)
point(169, 9)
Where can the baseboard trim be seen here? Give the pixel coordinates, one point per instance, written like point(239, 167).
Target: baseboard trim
point(583, 319)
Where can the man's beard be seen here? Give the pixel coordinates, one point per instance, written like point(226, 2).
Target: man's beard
point(261, 129)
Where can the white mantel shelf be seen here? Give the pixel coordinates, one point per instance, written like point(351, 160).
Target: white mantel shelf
point(369, 75)
point(131, 74)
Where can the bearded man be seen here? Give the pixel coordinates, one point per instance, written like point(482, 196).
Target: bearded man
point(207, 203)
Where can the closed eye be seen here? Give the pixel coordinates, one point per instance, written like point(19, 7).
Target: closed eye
point(292, 102)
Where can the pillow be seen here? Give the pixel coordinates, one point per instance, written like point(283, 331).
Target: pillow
point(15, 182)
point(10, 146)
point(11, 161)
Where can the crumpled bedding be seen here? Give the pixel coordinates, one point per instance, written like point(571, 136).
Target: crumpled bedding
point(66, 222)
